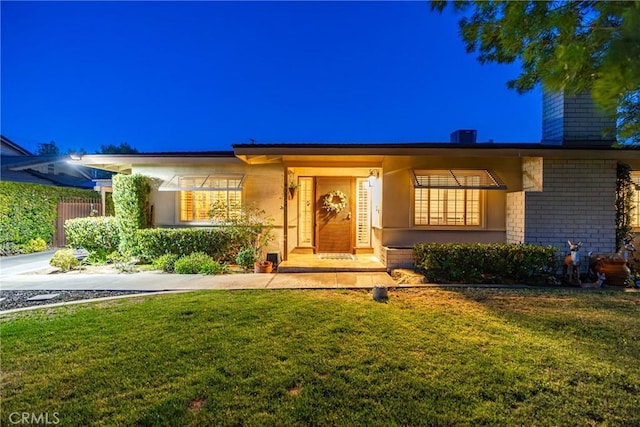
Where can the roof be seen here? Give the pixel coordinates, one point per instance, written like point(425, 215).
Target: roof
point(22, 168)
point(8, 145)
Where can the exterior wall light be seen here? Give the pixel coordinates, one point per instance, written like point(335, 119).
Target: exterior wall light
point(373, 175)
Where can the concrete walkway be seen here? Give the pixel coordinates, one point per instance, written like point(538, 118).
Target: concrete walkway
point(156, 281)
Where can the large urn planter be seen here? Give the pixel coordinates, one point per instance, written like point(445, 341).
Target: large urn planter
point(263, 267)
point(616, 271)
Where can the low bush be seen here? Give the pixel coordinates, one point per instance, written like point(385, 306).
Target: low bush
point(246, 258)
point(123, 261)
point(98, 233)
point(64, 260)
point(165, 263)
point(35, 245)
point(222, 244)
point(198, 263)
point(486, 263)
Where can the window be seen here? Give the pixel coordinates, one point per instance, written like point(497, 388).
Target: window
point(305, 211)
point(200, 196)
point(363, 214)
point(635, 212)
point(451, 197)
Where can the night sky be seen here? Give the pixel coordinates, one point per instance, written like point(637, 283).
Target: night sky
point(196, 76)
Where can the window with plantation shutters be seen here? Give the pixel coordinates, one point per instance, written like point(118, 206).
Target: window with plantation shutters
point(451, 197)
point(363, 213)
point(207, 198)
point(305, 212)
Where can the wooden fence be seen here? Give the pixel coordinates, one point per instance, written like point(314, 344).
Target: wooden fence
point(70, 208)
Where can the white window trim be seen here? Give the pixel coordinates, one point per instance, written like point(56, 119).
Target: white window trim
point(173, 185)
point(482, 208)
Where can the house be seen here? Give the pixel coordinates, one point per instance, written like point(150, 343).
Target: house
point(381, 199)
point(20, 165)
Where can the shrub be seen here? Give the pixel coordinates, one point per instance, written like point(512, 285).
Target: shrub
point(221, 243)
point(34, 245)
point(124, 262)
point(246, 258)
point(131, 205)
point(485, 263)
point(98, 233)
point(28, 211)
point(64, 260)
point(165, 263)
point(198, 262)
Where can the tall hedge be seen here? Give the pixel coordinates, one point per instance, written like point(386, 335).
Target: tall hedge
point(93, 233)
point(29, 211)
point(131, 205)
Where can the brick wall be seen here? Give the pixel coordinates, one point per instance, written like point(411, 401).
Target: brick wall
point(515, 217)
point(532, 178)
point(397, 258)
point(568, 120)
point(577, 204)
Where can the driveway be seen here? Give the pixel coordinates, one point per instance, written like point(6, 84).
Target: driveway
point(21, 264)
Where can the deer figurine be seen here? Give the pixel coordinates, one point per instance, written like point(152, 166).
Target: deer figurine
point(597, 284)
point(571, 265)
point(621, 254)
point(614, 264)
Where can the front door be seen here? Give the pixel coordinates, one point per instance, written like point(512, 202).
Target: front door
point(334, 229)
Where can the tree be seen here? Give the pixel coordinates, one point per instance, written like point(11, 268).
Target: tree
point(570, 46)
point(123, 148)
point(48, 149)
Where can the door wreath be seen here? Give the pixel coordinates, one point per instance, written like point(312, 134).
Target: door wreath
point(331, 205)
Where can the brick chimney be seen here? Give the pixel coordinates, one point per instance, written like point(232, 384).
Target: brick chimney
point(575, 121)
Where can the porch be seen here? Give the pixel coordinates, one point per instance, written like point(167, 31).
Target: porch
point(318, 263)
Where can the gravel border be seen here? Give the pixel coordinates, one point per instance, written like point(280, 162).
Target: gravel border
point(18, 299)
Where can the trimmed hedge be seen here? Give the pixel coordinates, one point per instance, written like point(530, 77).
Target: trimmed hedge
point(28, 211)
point(131, 206)
point(222, 244)
point(486, 263)
point(93, 233)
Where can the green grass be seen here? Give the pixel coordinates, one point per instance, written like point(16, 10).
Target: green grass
point(428, 357)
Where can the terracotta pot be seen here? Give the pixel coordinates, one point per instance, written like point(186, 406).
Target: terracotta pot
point(263, 267)
point(615, 270)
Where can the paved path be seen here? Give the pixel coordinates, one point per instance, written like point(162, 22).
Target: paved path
point(156, 281)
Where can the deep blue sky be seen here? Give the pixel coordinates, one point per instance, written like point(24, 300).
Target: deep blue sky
point(184, 76)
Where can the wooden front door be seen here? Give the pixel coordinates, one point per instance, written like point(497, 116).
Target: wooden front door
point(334, 231)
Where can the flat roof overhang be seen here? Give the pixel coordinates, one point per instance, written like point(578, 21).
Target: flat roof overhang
point(254, 153)
point(123, 163)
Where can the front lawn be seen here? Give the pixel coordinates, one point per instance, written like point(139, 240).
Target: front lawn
point(437, 357)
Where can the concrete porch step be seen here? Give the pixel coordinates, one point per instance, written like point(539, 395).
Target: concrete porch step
point(283, 268)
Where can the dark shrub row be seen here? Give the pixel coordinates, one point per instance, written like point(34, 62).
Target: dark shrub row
point(485, 263)
point(222, 243)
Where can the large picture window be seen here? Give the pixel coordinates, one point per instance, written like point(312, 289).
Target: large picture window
point(451, 197)
point(207, 198)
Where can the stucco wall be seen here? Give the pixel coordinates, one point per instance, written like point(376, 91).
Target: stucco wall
point(262, 186)
point(397, 204)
